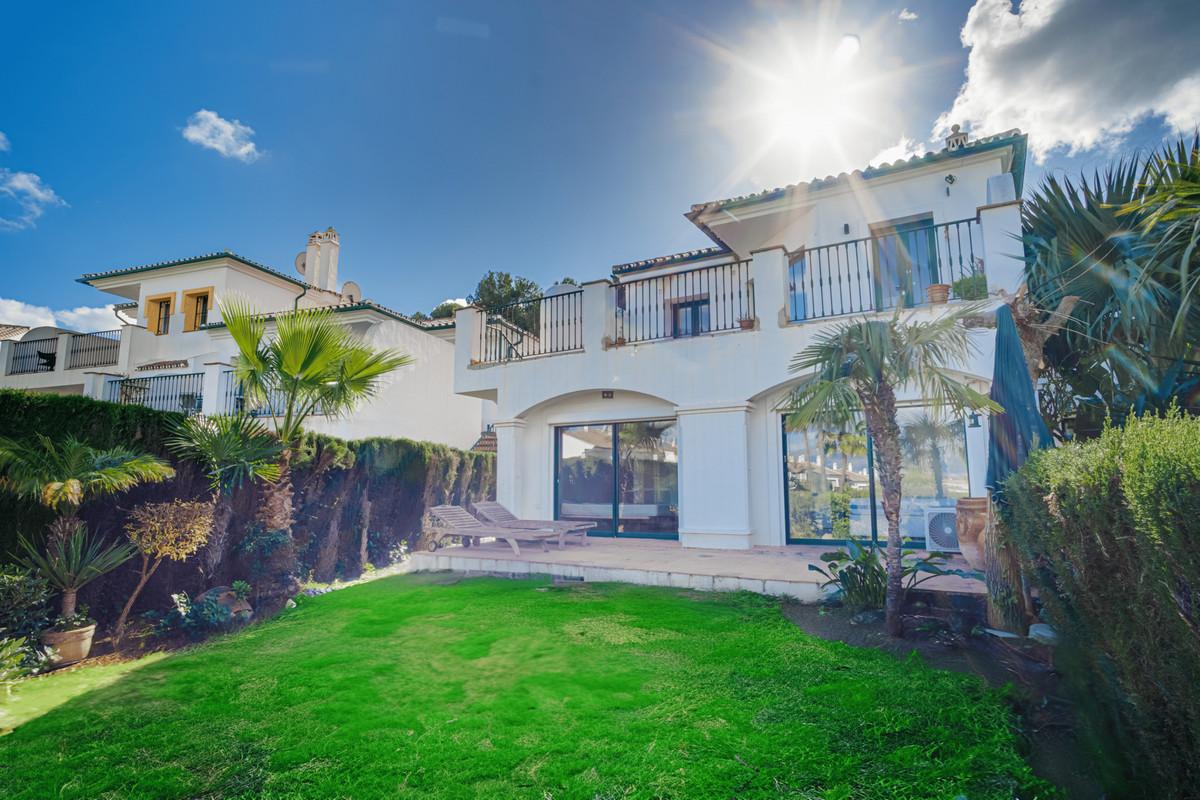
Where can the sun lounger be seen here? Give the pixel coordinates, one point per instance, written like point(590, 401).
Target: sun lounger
point(453, 522)
point(493, 513)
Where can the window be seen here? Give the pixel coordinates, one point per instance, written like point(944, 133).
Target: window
point(196, 303)
point(906, 263)
point(690, 318)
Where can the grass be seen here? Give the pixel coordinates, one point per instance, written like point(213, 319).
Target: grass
point(489, 688)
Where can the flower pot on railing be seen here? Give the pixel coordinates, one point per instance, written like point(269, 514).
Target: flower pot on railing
point(938, 293)
point(746, 324)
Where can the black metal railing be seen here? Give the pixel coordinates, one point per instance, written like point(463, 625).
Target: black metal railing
point(538, 327)
point(34, 355)
point(181, 393)
point(98, 349)
point(688, 303)
point(887, 270)
point(234, 400)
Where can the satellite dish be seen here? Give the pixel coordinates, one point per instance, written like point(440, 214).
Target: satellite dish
point(351, 291)
point(300, 259)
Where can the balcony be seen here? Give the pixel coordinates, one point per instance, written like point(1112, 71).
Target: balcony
point(34, 355)
point(65, 351)
point(682, 304)
point(888, 270)
point(90, 350)
point(234, 400)
point(549, 324)
point(182, 393)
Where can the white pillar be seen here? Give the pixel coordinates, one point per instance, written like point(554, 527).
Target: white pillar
point(213, 399)
point(598, 315)
point(1000, 224)
point(768, 270)
point(509, 435)
point(467, 323)
point(977, 455)
point(714, 476)
point(62, 352)
point(6, 354)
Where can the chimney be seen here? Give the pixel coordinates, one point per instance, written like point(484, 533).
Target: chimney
point(321, 259)
point(957, 139)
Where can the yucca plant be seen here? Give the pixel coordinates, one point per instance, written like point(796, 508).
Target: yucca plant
point(856, 368)
point(70, 564)
point(311, 362)
point(64, 475)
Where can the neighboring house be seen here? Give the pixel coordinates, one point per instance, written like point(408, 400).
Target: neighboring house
point(177, 356)
point(650, 401)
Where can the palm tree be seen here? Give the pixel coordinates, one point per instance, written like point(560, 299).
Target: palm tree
point(232, 450)
point(311, 363)
point(924, 440)
point(856, 368)
point(1123, 242)
point(64, 475)
point(71, 562)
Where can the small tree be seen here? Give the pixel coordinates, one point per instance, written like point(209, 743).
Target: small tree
point(159, 531)
point(71, 563)
point(857, 367)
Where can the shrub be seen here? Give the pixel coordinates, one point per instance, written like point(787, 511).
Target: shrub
point(24, 613)
point(1109, 532)
point(860, 575)
point(972, 287)
point(12, 663)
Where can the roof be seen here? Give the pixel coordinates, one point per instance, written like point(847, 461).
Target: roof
point(12, 331)
point(671, 260)
point(358, 305)
point(1013, 138)
point(178, 262)
point(486, 443)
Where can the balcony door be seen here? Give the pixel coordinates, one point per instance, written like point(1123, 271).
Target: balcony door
point(906, 263)
point(622, 476)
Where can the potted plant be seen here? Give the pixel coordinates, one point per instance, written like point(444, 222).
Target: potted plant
point(69, 565)
point(972, 287)
point(746, 323)
point(938, 293)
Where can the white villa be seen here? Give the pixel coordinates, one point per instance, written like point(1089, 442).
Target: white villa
point(176, 355)
point(649, 401)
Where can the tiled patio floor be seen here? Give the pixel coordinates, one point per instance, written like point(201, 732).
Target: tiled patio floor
point(767, 570)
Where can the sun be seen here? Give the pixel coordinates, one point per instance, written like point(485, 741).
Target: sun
point(805, 98)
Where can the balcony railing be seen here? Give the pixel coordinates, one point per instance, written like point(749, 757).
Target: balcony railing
point(887, 270)
point(688, 303)
point(234, 400)
point(98, 349)
point(180, 393)
point(34, 355)
point(545, 325)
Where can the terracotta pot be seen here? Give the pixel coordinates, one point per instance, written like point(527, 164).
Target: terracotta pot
point(69, 646)
point(971, 513)
point(746, 324)
point(938, 293)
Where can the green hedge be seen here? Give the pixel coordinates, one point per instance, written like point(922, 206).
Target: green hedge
point(1109, 532)
point(355, 502)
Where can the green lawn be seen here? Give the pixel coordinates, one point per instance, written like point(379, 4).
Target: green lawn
point(489, 688)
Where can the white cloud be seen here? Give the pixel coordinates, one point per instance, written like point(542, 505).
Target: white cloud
point(1053, 70)
point(5, 146)
point(902, 150)
point(228, 137)
point(908, 16)
point(31, 196)
point(80, 318)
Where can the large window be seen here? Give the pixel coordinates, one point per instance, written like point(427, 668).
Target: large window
point(830, 480)
point(906, 262)
point(622, 476)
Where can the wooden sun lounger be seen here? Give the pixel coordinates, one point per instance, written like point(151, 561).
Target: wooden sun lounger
point(494, 513)
point(453, 522)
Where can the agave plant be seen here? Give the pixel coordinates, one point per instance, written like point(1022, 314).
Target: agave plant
point(70, 564)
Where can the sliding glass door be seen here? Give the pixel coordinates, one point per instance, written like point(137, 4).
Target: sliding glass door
point(622, 476)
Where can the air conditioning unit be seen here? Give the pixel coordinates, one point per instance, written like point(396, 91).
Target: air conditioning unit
point(941, 529)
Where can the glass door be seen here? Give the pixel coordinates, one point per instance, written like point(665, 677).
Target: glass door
point(905, 262)
point(622, 476)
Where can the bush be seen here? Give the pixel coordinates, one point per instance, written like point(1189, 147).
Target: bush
point(1109, 532)
point(24, 613)
point(972, 287)
point(12, 663)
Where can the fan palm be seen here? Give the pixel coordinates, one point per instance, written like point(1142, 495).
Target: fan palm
point(311, 363)
point(231, 450)
point(64, 475)
point(856, 368)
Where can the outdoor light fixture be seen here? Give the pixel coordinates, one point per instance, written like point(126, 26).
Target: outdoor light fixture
point(950, 179)
point(973, 419)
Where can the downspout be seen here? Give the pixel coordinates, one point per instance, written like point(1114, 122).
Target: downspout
point(296, 302)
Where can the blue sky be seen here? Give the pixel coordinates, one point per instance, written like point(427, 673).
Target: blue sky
point(541, 138)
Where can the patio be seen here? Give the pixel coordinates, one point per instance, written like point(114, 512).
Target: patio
point(649, 562)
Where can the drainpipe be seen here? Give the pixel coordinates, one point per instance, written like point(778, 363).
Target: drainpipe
point(296, 302)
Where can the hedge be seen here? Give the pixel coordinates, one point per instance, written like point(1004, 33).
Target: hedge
point(1109, 533)
point(356, 502)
